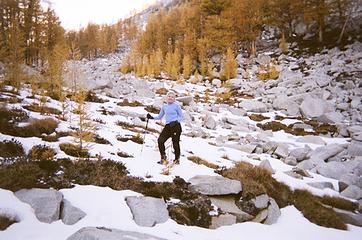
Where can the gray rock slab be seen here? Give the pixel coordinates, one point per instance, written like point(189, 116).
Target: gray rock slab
point(312, 107)
point(321, 185)
point(282, 151)
point(222, 220)
point(353, 192)
point(349, 217)
point(311, 139)
point(45, 202)
point(70, 214)
point(333, 170)
point(325, 152)
point(355, 148)
point(147, 211)
point(101, 233)
point(273, 212)
point(214, 185)
point(227, 205)
point(267, 166)
point(261, 201)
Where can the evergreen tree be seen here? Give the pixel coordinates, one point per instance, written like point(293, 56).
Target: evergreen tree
point(187, 66)
point(14, 57)
point(229, 69)
point(85, 132)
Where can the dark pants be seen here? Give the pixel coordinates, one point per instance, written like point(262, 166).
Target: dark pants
point(172, 130)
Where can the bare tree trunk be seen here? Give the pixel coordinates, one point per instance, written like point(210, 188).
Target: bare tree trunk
point(343, 29)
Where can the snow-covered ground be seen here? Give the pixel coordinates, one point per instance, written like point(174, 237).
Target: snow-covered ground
point(106, 207)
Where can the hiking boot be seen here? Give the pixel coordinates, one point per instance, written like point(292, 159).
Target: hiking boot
point(176, 161)
point(163, 160)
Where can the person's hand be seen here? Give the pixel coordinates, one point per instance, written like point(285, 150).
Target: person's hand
point(149, 116)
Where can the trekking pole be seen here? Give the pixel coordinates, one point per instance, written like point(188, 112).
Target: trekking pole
point(144, 136)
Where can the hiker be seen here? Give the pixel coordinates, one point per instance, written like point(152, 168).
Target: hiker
point(173, 114)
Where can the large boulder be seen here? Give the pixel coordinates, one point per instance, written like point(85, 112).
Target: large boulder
point(70, 214)
point(210, 122)
point(253, 106)
point(214, 185)
point(313, 107)
point(185, 100)
point(45, 202)
point(101, 233)
point(147, 211)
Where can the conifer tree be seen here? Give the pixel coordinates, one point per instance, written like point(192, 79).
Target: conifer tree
point(14, 56)
point(230, 66)
point(85, 127)
point(54, 71)
point(168, 64)
point(187, 66)
point(175, 68)
point(210, 67)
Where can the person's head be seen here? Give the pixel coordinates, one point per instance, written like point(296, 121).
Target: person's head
point(170, 97)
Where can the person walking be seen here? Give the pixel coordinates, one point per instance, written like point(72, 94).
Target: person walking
point(173, 115)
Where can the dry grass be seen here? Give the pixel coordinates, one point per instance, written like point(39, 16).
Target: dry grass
point(257, 181)
point(201, 161)
point(5, 222)
point(315, 212)
point(340, 203)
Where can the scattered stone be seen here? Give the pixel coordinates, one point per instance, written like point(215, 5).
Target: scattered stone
point(273, 212)
point(45, 202)
point(214, 185)
point(265, 164)
point(102, 233)
point(353, 192)
point(321, 185)
point(147, 211)
point(222, 220)
point(70, 214)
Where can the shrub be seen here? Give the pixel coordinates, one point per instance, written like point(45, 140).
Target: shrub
point(92, 97)
point(161, 91)
point(12, 115)
point(55, 136)
point(152, 109)
point(41, 152)
point(201, 161)
point(98, 139)
point(99, 172)
point(5, 222)
point(42, 109)
point(257, 117)
point(26, 175)
point(266, 74)
point(73, 150)
point(125, 102)
point(11, 150)
point(124, 154)
point(38, 127)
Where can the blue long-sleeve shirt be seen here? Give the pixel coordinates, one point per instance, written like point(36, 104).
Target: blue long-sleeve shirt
point(171, 111)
